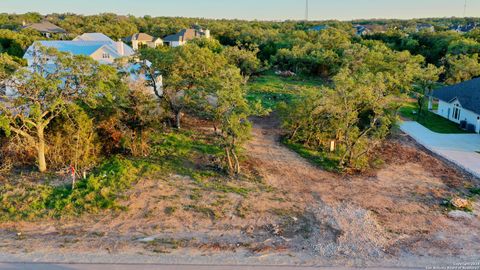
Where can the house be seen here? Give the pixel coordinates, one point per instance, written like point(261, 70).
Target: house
point(99, 47)
point(96, 45)
point(367, 29)
point(318, 28)
point(459, 103)
point(463, 28)
point(139, 40)
point(185, 35)
point(46, 28)
point(425, 27)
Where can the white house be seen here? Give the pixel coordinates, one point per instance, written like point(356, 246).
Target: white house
point(460, 103)
point(96, 45)
point(99, 47)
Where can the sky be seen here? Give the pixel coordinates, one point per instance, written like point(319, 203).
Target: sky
point(254, 9)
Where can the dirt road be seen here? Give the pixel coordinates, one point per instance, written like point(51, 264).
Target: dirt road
point(394, 213)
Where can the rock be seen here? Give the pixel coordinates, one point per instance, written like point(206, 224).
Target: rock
point(460, 203)
point(249, 230)
point(460, 215)
point(147, 239)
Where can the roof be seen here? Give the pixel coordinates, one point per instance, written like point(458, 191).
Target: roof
point(46, 27)
point(318, 28)
point(467, 93)
point(183, 35)
point(74, 47)
point(140, 37)
point(174, 37)
point(93, 37)
point(88, 47)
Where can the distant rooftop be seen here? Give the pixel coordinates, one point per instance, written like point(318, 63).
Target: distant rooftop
point(93, 37)
point(46, 27)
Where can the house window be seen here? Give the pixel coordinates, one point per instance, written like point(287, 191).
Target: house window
point(456, 113)
point(105, 55)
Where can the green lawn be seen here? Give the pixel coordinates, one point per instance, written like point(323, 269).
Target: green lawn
point(272, 89)
point(430, 120)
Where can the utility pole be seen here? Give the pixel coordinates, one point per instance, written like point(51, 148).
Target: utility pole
point(306, 10)
point(465, 9)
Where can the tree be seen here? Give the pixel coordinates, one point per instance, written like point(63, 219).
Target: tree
point(186, 72)
point(7, 67)
point(461, 68)
point(425, 83)
point(46, 89)
point(245, 59)
point(364, 108)
point(230, 112)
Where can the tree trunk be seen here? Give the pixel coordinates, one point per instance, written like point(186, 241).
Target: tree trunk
point(229, 160)
point(42, 164)
point(237, 162)
point(178, 119)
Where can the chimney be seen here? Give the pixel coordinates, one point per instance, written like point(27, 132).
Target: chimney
point(121, 48)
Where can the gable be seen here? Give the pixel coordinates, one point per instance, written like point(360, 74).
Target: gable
point(106, 49)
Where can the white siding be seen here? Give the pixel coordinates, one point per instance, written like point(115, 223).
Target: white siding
point(446, 110)
point(99, 56)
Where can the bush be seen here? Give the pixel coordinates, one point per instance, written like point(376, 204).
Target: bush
point(73, 141)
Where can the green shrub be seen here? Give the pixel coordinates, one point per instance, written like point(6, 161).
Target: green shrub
point(101, 190)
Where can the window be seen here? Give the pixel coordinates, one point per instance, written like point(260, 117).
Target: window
point(456, 113)
point(106, 56)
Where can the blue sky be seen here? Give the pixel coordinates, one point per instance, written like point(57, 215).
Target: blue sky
point(253, 9)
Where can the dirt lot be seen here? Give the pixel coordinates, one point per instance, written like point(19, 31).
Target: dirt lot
point(296, 214)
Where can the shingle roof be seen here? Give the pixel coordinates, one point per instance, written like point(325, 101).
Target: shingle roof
point(140, 37)
point(183, 35)
point(46, 27)
point(467, 93)
point(175, 37)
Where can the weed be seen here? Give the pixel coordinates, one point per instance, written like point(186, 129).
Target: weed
point(208, 212)
point(170, 210)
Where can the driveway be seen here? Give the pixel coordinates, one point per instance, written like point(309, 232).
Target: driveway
point(460, 149)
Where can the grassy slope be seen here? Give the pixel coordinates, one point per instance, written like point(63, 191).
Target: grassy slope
point(430, 120)
point(272, 89)
point(185, 153)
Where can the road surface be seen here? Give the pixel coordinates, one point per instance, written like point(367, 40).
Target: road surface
point(461, 149)
point(44, 266)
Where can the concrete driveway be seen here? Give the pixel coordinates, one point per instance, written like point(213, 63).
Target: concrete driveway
point(460, 149)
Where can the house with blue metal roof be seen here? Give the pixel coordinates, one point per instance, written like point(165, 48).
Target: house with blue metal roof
point(96, 45)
